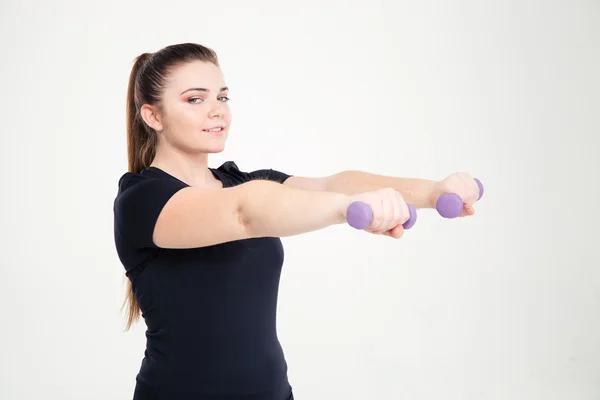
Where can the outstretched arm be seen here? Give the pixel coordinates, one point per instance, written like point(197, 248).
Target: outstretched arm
point(421, 193)
point(418, 192)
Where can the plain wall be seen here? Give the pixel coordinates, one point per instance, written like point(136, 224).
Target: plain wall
point(502, 305)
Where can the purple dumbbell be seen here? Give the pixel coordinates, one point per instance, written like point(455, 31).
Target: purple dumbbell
point(450, 205)
point(359, 215)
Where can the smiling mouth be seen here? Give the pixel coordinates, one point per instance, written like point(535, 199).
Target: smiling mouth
point(217, 129)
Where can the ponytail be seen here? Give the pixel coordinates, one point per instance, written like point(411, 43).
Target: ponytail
point(141, 148)
point(141, 141)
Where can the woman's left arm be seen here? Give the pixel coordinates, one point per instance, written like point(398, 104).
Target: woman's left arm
point(421, 193)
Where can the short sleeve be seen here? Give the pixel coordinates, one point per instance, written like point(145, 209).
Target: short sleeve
point(138, 205)
point(269, 174)
point(235, 176)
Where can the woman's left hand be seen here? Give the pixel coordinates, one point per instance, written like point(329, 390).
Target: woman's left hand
point(464, 185)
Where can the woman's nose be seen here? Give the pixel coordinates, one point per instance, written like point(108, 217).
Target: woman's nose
point(216, 110)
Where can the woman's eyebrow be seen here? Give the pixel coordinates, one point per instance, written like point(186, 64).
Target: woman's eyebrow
point(224, 88)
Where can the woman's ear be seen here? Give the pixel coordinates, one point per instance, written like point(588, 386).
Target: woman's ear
point(151, 117)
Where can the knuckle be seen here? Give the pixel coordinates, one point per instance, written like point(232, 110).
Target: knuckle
point(389, 217)
point(389, 191)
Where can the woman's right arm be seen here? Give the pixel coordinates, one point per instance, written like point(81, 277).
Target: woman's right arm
point(195, 217)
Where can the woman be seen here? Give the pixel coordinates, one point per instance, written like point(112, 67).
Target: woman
point(201, 245)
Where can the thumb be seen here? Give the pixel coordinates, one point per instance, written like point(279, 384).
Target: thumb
point(396, 232)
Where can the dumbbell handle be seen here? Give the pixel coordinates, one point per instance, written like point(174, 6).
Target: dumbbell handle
point(359, 215)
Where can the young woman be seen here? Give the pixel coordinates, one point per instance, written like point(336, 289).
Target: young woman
point(201, 246)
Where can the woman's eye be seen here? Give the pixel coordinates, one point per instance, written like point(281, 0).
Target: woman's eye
point(197, 100)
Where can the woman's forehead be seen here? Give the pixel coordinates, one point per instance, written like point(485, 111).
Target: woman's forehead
point(196, 74)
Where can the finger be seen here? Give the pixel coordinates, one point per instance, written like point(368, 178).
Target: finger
point(470, 187)
point(388, 212)
point(387, 215)
point(378, 226)
point(398, 231)
point(375, 225)
point(467, 210)
point(395, 232)
point(403, 211)
point(397, 209)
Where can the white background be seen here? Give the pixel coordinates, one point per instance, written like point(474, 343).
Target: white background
point(503, 305)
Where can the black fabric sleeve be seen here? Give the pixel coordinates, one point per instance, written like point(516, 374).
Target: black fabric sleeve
point(269, 174)
point(236, 176)
point(138, 206)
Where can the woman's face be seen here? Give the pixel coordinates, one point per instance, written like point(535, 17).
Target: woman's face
point(195, 116)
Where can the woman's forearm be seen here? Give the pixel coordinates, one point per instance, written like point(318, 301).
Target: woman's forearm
point(418, 192)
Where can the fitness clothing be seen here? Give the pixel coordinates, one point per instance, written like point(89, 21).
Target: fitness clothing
point(210, 311)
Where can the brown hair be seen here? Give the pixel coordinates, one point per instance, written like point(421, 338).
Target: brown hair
point(146, 85)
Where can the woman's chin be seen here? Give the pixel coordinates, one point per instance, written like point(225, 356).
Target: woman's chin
point(214, 148)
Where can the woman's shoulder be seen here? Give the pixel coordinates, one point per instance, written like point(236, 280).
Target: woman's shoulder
point(130, 179)
point(147, 182)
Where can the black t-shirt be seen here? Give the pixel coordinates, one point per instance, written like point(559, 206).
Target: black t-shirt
point(210, 311)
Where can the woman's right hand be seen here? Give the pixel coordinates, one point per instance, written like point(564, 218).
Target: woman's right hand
point(390, 211)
